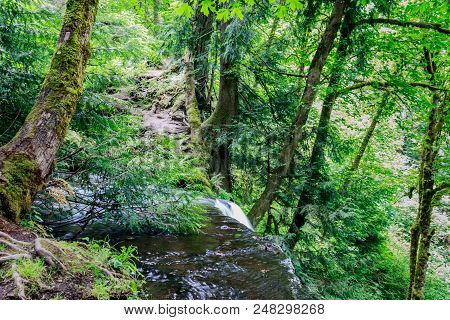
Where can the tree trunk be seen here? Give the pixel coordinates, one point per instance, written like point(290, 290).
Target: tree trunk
point(222, 117)
point(365, 142)
point(310, 193)
point(27, 160)
point(421, 231)
point(369, 133)
point(156, 7)
point(263, 203)
point(192, 111)
point(270, 218)
point(317, 159)
point(199, 46)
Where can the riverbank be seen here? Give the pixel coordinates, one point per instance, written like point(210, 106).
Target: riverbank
point(35, 266)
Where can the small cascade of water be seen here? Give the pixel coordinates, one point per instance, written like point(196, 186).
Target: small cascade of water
point(232, 210)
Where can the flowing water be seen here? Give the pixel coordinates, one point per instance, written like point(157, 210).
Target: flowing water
point(232, 210)
point(226, 260)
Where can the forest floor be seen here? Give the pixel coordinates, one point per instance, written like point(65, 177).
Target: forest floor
point(159, 99)
point(15, 287)
point(35, 266)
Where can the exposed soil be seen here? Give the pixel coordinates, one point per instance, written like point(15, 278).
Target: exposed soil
point(164, 122)
point(160, 99)
point(15, 231)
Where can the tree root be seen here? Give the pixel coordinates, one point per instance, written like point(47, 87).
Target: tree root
point(47, 255)
point(12, 257)
point(12, 246)
point(11, 239)
point(61, 251)
point(111, 274)
point(82, 244)
point(13, 250)
point(18, 282)
point(19, 252)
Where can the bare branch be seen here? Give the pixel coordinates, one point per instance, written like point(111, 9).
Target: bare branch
point(383, 84)
point(421, 25)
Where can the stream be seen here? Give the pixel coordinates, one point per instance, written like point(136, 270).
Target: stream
point(225, 260)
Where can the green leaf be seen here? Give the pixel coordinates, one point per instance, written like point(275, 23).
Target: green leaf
point(223, 14)
point(282, 11)
point(237, 12)
point(184, 10)
point(294, 4)
point(206, 7)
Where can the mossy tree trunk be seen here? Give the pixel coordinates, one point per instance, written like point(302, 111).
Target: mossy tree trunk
point(192, 110)
point(285, 158)
point(27, 160)
point(421, 230)
point(199, 47)
point(369, 133)
point(218, 124)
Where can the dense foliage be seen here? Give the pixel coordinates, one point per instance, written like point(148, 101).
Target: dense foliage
point(362, 192)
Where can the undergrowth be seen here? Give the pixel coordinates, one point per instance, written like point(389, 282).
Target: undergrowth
point(75, 270)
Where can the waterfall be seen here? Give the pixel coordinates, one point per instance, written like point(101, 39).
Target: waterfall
point(232, 210)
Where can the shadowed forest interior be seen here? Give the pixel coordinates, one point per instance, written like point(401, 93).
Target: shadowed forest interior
point(224, 149)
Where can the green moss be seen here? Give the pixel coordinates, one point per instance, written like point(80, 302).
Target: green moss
point(100, 290)
point(193, 115)
point(178, 101)
point(18, 184)
point(198, 180)
point(64, 83)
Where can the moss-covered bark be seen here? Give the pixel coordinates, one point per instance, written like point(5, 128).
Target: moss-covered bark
point(222, 117)
point(421, 230)
point(18, 170)
point(192, 111)
point(26, 161)
point(367, 137)
point(199, 47)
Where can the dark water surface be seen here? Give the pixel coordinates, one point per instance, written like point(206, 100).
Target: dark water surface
point(225, 261)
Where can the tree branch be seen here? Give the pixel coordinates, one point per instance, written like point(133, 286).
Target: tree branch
point(384, 84)
point(441, 187)
point(421, 25)
point(289, 74)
